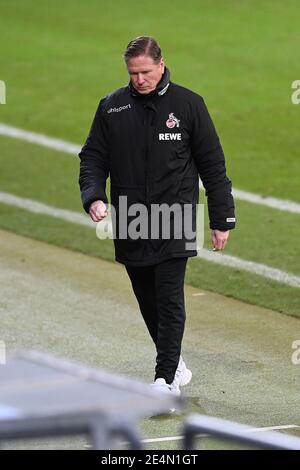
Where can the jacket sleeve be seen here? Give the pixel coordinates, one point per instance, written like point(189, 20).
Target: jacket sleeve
point(210, 161)
point(94, 162)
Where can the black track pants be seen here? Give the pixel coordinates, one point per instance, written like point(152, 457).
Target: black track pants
point(159, 290)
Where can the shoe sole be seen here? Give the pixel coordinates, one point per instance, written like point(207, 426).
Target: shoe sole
point(187, 378)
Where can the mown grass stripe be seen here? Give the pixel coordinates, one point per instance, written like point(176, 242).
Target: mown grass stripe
point(69, 147)
point(214, 257)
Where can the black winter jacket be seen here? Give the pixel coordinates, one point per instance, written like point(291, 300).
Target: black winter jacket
point(154, 148)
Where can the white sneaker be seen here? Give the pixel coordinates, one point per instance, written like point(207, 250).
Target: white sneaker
point(183, 376)
point(161, 385)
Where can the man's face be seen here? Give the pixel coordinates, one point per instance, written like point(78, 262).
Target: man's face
point(145, 73)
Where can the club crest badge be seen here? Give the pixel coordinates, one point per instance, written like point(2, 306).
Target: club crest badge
point(172, 121)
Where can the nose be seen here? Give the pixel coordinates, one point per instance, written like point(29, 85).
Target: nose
point(140, 79)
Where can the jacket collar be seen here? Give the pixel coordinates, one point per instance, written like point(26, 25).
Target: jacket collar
point(160, 89)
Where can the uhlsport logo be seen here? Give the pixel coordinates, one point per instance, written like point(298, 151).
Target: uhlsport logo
point(172, 121)
point(118, 110)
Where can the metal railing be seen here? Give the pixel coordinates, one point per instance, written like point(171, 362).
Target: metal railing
point(200, 424)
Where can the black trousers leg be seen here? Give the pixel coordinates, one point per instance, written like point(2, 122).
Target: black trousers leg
point(169, 282)
point(159, 290)
point(143, 285)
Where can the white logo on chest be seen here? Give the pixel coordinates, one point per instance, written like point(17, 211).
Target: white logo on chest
point(169, 136)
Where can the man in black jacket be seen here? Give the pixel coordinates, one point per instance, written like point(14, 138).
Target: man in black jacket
point(154, 139)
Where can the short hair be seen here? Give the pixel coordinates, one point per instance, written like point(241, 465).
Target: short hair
point(143, 45)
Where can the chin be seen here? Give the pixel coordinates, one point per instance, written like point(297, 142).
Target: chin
point(145, 91)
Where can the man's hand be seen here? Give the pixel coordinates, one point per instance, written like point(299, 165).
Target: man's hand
point(98, 211)
point(219, 239)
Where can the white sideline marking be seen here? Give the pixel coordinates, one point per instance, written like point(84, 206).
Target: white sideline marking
point(179, 438)
point(41, 208)
point(250, 266)
point(41, 139)
point(274, 203)
point(215, 257)
point(273, 428)
point(74, 149)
